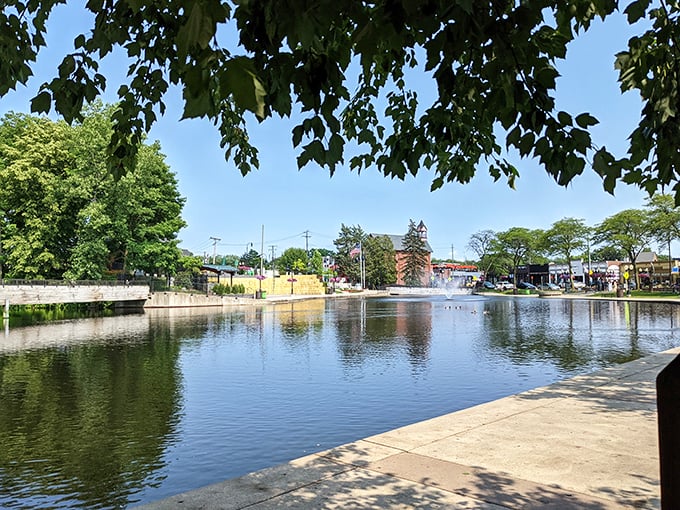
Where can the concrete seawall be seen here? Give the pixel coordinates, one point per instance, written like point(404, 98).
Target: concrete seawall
point(186, 300)
point(38, 294)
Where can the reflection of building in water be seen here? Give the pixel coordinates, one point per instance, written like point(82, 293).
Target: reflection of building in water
point(380, 331)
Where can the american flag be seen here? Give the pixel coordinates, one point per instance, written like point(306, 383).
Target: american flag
point(355, 251)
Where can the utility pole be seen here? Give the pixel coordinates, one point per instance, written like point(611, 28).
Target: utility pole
point(307, 236)
point(214, 240)
point(261, 261)
point(453, 257)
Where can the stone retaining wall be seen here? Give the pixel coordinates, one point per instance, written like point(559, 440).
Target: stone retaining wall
point(50, 294)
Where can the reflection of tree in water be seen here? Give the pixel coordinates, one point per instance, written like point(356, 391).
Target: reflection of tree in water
point(610, 355)
point(93, 421)
point(526, 334)
point(382, 329)
point(567, 333)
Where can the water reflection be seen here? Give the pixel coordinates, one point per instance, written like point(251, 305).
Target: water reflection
point(86, 426)
point(388, 328)
point(575, 334)
point(107, 412)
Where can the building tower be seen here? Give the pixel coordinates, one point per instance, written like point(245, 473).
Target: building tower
point(422, 230)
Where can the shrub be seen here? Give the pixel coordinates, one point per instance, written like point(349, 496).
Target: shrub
point(220, 289)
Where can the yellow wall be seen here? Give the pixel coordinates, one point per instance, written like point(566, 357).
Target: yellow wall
point(306, 284)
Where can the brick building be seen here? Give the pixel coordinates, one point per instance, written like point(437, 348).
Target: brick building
point(400, 254)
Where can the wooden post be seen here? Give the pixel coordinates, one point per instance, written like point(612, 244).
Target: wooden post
point(668, 406)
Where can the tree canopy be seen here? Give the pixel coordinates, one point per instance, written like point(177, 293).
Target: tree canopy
point(630, 230)
point(566, 237)
point(64, 215)
point(516, 245)
point(293, 259)
point(345, 66)
point(415, 257)
point(381, 262)
point(346, 260)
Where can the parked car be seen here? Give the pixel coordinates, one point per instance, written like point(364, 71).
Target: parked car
point(505, 285)
point(577, 285)
point(549, 286)
point(526, 285)
point(488, 285)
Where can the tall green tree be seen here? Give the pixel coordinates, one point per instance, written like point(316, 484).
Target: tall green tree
point(492, 64)
point(381, 261)
point(564, 238)
point(154, 213)
point(188, 270)
point(66, 215)
point(516, 245)
point(251, 258)
point(482, 244)
point(316, 263)
point(415, 258)
point(293, 259)
point(347, 262)
point(39, 196)
point(630, 231)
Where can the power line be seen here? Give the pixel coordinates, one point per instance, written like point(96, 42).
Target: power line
point(215, 239)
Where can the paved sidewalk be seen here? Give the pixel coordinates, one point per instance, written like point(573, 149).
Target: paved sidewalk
point(589, 443)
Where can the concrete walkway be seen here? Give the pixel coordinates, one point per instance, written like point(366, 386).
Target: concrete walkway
point(589, 443)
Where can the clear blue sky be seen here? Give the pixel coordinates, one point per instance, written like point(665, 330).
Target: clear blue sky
point(221, 203)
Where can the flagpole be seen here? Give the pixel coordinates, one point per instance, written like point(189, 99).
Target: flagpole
point(362, 267)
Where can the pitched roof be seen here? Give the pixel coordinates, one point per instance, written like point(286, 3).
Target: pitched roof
point(646, 257)
point(219, 268)
point(398, 242)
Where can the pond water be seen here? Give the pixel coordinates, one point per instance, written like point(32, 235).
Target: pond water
point(116, 411)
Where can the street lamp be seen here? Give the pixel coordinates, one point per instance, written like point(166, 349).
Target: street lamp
point(292, 279)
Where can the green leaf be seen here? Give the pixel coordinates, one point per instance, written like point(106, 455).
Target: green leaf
point(198, 30)
point(564, 118)
point(238, 79)
point(79, 41)
point(526, 144)
point(199, 105)
point(67, 66)
point(585, 120)
point(546, 77)
point(316, 151)
point(513, 137)
point(636, 10)
point(335, 148)
point(298, 131)
point(41, 103)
